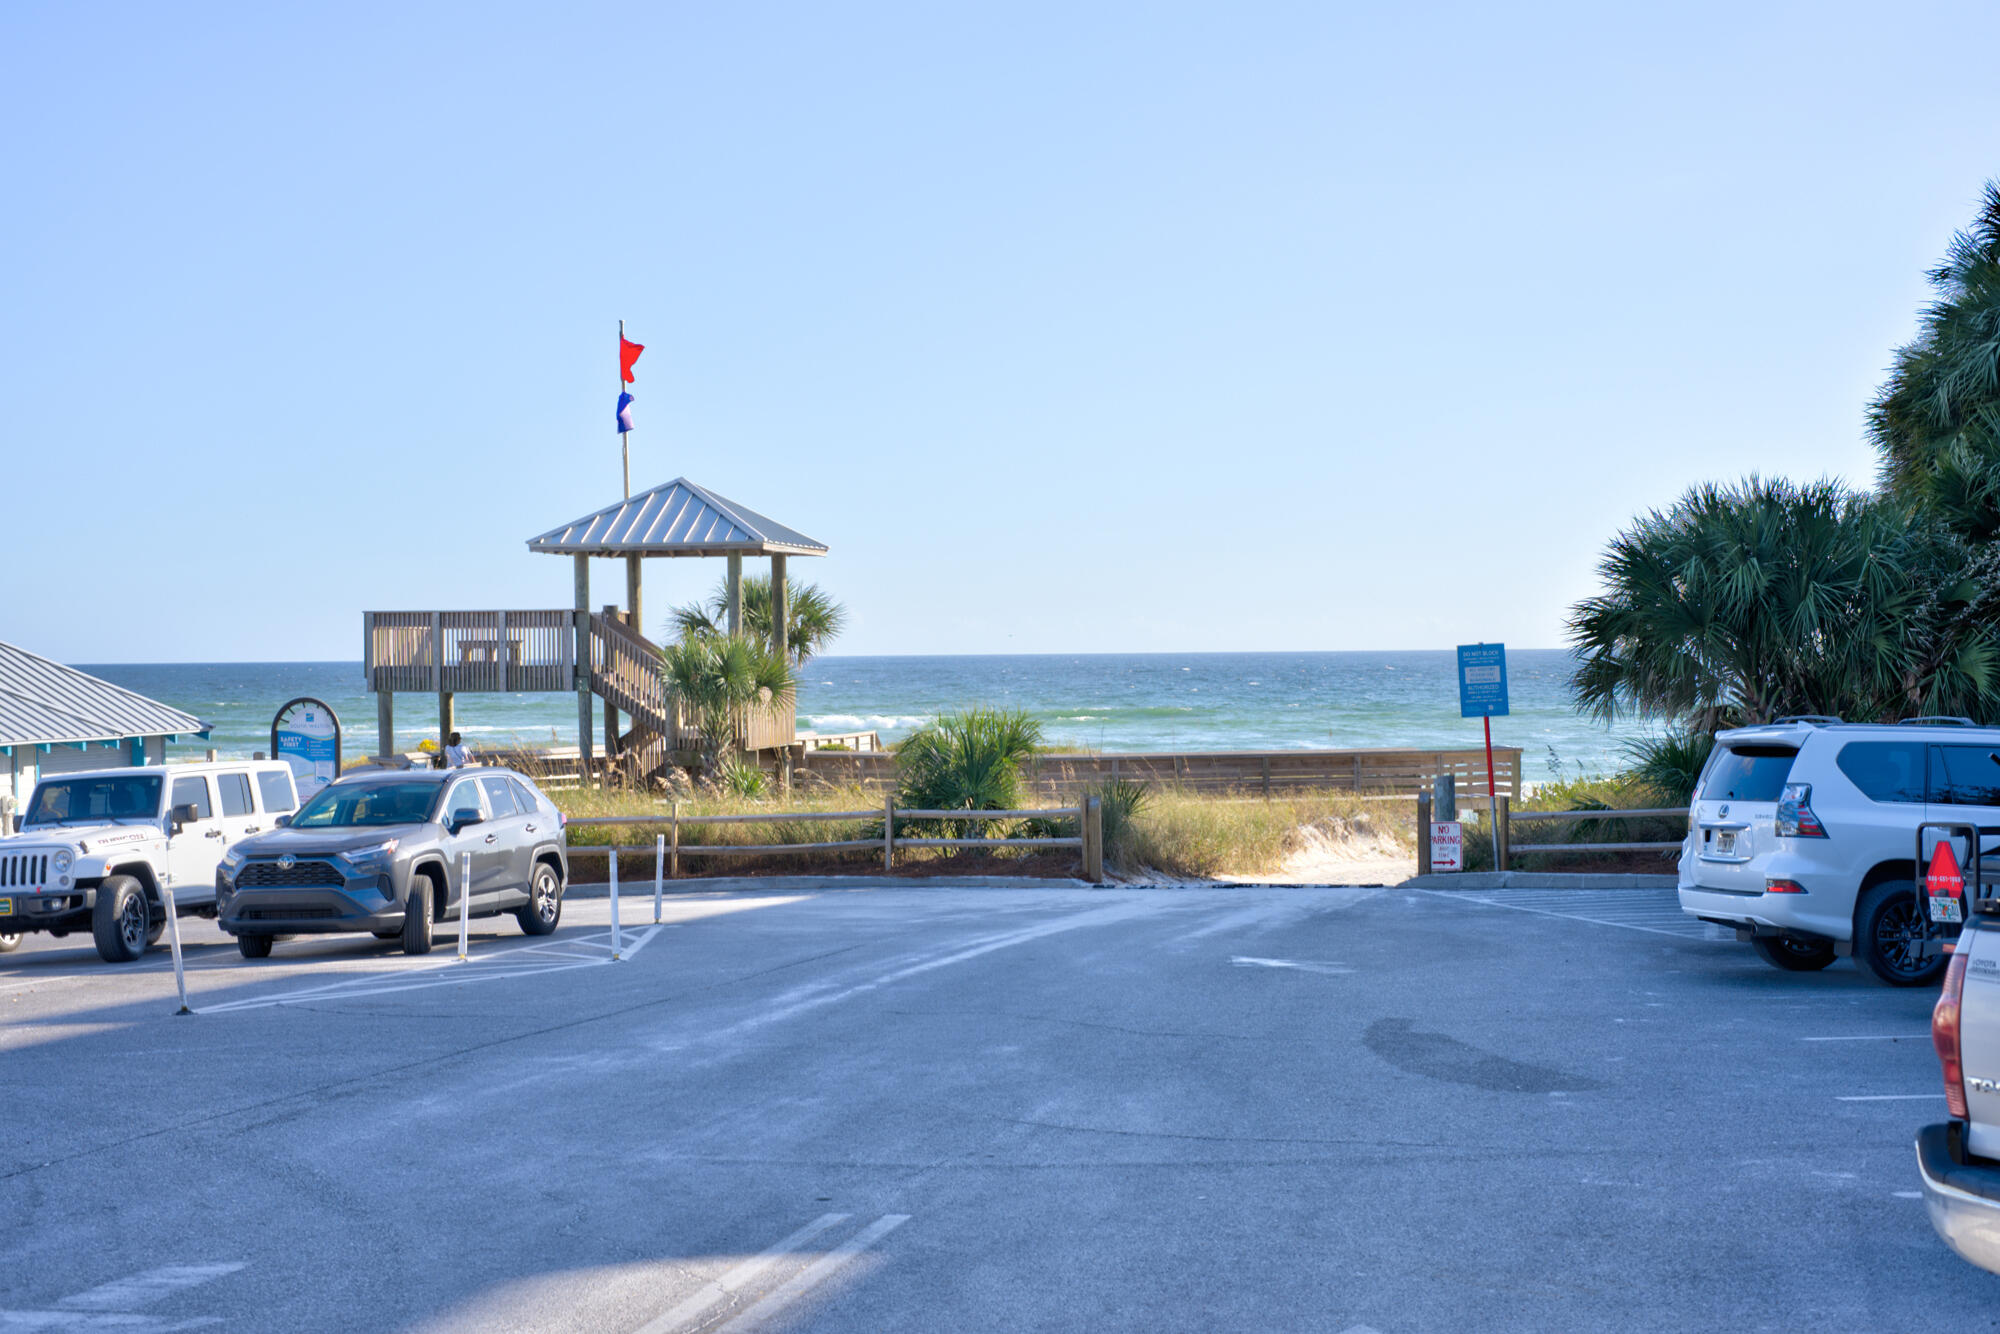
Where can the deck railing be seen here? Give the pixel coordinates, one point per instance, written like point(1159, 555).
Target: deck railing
point(469, 652)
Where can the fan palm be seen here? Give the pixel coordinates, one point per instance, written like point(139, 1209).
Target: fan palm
point(813, 619)
point(967, 761)
point(714, 677)
point(1740, 604)
point(1937, 420)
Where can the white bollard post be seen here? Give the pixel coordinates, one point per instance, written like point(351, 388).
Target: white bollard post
point(617, 942)
point(174, 938)
point(464, 899)
point(659, 873)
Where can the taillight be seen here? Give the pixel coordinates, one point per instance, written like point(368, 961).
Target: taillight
point(1783, 887)
point(1795, 816)
point(1944, 1031)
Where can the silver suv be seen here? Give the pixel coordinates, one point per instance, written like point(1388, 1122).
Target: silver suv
point(388, 852)
point(1807, 836)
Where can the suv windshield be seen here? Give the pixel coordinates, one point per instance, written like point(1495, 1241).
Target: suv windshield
point(1748, 773)
point(70, 800)
point(354, 805)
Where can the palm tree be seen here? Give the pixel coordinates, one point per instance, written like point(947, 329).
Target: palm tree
point(714, 676)
point(1741, 604)
point(813, 619)
point(967, 761)
point(1937, 420)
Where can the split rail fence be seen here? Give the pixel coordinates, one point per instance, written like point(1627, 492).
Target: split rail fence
point(1505, 847)
point(1384, 771)
point(1088, 814)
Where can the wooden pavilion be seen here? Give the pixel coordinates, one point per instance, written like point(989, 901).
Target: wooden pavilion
point(603, 654)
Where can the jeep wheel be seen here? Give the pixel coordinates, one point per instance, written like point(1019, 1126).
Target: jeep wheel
point(121, 921)
point(1887, 934)
point(1793, 955)
point(543, 910)
point(417, 918)
point(8, 944)
point(254, 947)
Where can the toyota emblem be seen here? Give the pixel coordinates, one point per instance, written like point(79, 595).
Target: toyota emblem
point(287, 862)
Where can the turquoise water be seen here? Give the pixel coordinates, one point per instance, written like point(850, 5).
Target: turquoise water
point(1124, 702)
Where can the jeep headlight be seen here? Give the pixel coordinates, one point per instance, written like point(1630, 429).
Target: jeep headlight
point(374, 857)
point(61, 861)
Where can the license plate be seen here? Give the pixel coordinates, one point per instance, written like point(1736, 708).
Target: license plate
point(6, 907)
point(1945, 908)
point(1725, 844)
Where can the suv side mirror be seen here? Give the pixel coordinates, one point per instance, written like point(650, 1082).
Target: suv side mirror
point(281, 821)
point(461, 819)
point(184, 815)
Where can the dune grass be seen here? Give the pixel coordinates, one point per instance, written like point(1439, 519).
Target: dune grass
point(1191, 834)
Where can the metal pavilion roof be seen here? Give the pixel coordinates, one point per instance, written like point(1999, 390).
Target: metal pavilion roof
point(676, 519)
point(46, 703)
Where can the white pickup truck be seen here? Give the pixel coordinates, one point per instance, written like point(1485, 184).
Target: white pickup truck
point(95, 850)
point(1959, 1159)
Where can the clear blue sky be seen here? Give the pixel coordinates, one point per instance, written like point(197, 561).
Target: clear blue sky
point(1070, 327)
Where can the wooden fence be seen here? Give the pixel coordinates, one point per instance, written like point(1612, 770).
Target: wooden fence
point(1260, 771)
point(1505, 847)
point(1088, 840)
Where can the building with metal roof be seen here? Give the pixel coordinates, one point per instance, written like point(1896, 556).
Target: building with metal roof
point(56, 719)
point(677, 518)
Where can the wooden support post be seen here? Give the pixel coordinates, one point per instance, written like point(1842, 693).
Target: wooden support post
point(674, 833)
point(437, 651)
point(503, 656)
point(889, 834)
point(735, 592)
point(781, 610)
point(1500, 835)
point(1266, 762)
point(1090, 813)
point(580, 634)
point(610, 713)
point(1423, 832)
point(447, 721)
point(385, 722)
point(634, 595)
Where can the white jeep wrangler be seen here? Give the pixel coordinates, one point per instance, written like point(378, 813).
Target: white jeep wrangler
point(95, 849)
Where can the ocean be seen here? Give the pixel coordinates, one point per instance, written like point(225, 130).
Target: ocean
point(1106, 702)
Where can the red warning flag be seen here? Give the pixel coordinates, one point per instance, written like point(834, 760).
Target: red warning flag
point(628, 352)
point(1944, 880)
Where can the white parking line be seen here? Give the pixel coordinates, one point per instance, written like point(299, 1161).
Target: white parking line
point(710, 1295)
point(1630, 909)
point(137, 1290)
point(1890, 1097)
point(1302, 965)
point(115, 1305)
point(816, 1272)
point(494, 966)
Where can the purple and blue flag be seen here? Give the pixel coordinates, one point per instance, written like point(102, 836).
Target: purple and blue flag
point(624, 413)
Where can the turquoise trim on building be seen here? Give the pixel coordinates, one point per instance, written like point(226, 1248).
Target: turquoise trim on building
point(138, 750)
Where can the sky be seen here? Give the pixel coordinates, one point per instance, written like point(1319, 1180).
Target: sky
point(1075, 327)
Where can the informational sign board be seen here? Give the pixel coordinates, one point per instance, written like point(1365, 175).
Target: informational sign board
point(1482, 680)
point(306, 735)
point(1944, 884)
point(1447, 845)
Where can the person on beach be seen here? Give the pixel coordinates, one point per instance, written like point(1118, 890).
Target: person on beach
point(456, 756)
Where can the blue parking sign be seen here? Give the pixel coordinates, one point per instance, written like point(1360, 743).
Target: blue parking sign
point(1482, 680)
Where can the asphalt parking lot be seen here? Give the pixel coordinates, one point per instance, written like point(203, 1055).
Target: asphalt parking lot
point(892, 1109)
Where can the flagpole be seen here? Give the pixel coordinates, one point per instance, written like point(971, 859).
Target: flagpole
point(624, 437)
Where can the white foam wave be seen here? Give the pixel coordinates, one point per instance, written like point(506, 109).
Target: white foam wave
point(855, 722)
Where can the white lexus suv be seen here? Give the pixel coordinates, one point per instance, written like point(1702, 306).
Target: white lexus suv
point(1807, 836)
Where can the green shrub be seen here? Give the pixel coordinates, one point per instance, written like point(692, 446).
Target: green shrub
point(969, 761)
